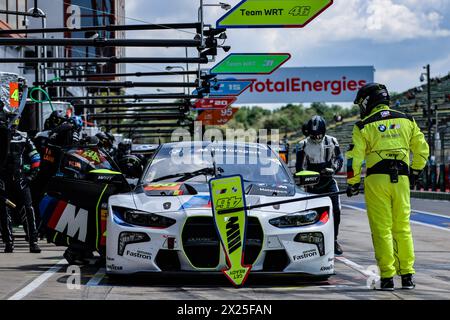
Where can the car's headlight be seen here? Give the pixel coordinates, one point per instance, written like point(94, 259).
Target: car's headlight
point(143, 219)
point(129, 238)
point(302, 218)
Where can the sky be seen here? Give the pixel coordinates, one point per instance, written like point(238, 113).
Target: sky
point(397, 37)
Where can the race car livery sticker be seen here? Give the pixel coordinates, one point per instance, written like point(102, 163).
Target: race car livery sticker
point(91, 155)
point(14, 95)
point(67, 222)
point(70, 220)
point(196, 202)
point(306, 255)
point(139, 254)
point(167, 189)
point(228, 193)
point(327, 268)
point(103, 221)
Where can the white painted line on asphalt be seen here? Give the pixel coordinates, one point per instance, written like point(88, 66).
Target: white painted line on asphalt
point(356, 267)
point(97, 278)
point(431, 213)
point(354, 208)
point(430, 225)
point(412, 221)
point(414, 210)
point(38, 281)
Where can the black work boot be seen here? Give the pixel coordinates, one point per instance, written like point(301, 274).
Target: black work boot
point(34, 247)
point(9, 248)
point(387, 284)
point(408, 282)
point(337, 249)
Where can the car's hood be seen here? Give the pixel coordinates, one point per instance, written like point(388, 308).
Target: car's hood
point(202, 202)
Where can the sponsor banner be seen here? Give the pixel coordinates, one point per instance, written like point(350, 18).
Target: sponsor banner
point(308, 84)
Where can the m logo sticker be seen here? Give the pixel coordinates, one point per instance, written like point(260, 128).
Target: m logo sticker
point(233, 234)
point(75, 222)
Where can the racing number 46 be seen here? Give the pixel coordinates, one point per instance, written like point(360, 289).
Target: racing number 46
point(300, 11)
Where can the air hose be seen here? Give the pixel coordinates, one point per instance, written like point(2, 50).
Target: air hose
point(47, 96)
point(45, 93)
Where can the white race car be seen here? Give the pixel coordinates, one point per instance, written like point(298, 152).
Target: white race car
point(166, 223)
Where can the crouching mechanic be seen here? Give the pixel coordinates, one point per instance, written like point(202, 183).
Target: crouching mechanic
point(321, 153)
point(384, 139)
point(14, 185)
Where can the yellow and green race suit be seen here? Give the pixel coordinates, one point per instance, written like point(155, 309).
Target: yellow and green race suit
point(385, 139)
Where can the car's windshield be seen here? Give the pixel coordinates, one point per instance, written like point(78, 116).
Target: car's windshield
point(177, 162)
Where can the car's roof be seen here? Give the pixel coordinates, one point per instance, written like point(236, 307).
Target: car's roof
point(185, 144)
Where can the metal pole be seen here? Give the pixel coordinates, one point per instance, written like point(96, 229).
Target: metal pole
point(144, 125)
point(134, 97)
point(430, 125)
point(187, 69)
point(18, 13)
point(202, 25)
point(99, 42)
point(137, 74)
point(282, 202)
point(126, 84)
point(107, 60)
point(130, 105)
point(132, 27)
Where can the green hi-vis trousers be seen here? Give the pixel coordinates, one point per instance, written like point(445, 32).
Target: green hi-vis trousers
point(388, 209)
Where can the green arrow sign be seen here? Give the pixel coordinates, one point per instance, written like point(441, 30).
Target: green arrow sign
point(228, 193)
point(250, 63)
point(273, 13)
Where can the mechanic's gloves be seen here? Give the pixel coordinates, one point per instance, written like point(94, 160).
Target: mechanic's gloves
point(327, 172)
point(414, 177)
point(352, 190)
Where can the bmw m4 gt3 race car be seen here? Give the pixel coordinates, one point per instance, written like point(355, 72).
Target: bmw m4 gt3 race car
point(166, 223)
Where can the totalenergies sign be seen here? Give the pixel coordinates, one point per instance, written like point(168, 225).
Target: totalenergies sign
point(297, 85)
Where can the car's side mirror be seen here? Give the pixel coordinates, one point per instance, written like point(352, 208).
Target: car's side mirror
point(307, 178)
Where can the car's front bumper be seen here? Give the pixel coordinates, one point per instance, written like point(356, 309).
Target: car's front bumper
point(189, 246)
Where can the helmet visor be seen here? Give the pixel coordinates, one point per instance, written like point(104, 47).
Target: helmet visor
point(316, 137)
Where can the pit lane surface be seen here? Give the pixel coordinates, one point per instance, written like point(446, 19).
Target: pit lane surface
point(45, 276)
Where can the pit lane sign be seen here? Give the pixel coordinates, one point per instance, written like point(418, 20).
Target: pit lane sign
point(250, 63)
point(217, 117)
point(227, 193)
point(273, 13)
point(230, 87)
point(214, 103)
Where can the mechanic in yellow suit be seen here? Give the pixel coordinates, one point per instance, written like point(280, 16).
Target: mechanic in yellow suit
point(384, 138)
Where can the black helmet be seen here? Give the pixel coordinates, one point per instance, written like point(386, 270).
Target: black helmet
point(131, 166)
point(110, 137)
point(370, 96)
point(55, 119)
point(105, 140)
point(315, 128)
point(124, 147)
